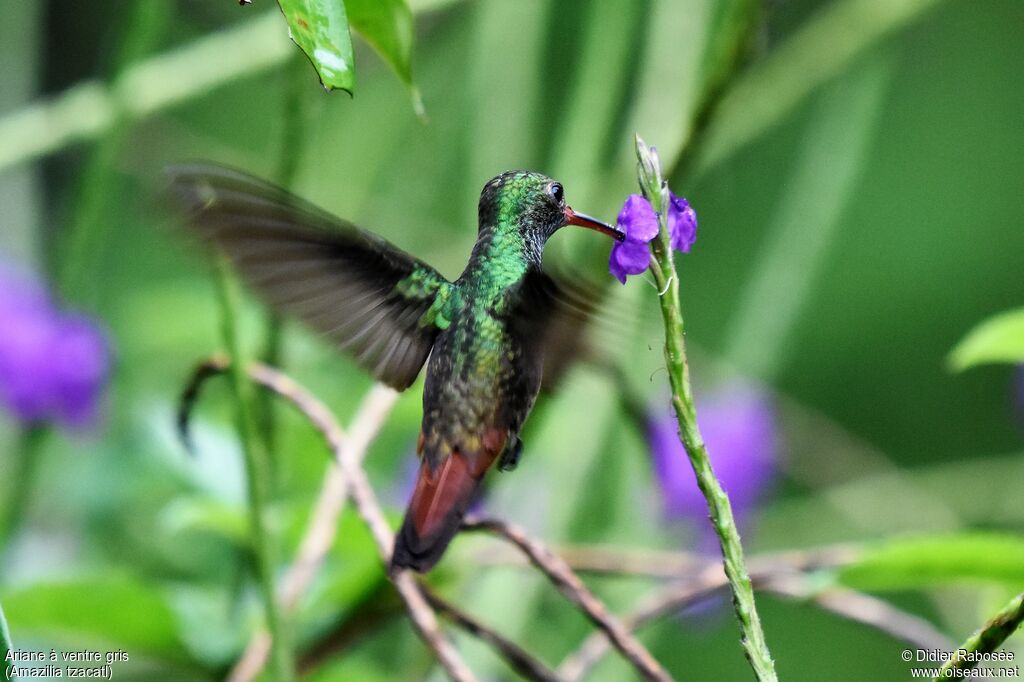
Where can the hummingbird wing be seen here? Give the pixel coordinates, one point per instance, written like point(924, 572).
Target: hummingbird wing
point(555, 309)
point(366, 295)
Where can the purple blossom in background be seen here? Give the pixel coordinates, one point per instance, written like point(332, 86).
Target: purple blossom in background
point(640, 223)
point(53, 364)
point(739, 427)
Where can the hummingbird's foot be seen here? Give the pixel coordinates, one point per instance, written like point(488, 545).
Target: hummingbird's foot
point(510, 456)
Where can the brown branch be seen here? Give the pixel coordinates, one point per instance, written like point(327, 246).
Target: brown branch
point(665, 601)
point(336, 486)
point(573, 589)
point(863, 608)
point(322, 529)
point(423, 618)
point(363, 617)
point(647, 563)
point(522, 662)
point(518, 659)
point(783, 574)
point(606, 560)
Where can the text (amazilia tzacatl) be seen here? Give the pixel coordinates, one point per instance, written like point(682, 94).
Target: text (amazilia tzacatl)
point(485, 333)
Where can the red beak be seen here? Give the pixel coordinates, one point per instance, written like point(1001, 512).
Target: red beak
point(583, 220)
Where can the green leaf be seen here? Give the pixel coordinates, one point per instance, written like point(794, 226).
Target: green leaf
point(5, 643)
point(320, 29)
point(115, 611)
point(206, 515)
point(999, 339)
point(387, 26)
point(931, 560)
point(354, 666)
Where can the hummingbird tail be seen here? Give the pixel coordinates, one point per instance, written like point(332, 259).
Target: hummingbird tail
point(435, 512)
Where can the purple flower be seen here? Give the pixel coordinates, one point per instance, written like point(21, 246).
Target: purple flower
point(640, 223)
point(682, 223)
point(53, 364)
point(739, 428)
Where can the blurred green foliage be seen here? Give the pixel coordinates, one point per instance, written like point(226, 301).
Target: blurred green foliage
point(916, 561)
point(858, 188)
point(1000, 338)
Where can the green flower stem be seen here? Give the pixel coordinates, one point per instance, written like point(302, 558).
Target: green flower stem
point(989, 638)
point(20, 482)
point(84, 240)
point(664, 270)
point(295, 119)
point(256, 475)
point(5, 645)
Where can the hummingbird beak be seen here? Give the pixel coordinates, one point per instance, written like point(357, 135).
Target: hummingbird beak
point(583, 220)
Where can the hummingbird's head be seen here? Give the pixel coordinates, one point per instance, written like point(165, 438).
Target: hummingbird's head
point(535, 205)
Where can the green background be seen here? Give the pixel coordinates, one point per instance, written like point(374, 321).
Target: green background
point(850, 234)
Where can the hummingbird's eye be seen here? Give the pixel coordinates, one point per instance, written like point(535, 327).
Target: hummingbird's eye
point(556, 191)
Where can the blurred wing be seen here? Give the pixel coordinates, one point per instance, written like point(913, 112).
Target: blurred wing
point(555, 311)
point(366, 295)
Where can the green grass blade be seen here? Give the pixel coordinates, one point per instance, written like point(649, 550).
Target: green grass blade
point(5, 644)
point(925, 561)
point(998, 339)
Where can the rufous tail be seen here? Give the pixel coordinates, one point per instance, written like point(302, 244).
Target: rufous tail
point(435, 512)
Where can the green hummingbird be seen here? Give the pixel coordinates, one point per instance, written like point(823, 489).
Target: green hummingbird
point(485, 333)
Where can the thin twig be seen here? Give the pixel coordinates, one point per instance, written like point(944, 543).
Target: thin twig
point(783, 574)
point(372, 410)
point(987, 639)
point(697, 586)
point(322, 529)
point(665, 601)
point(606, 560)
point(521, 661)
point(651, 563)
point(861, 608)
point(369, 510)
point(335, 640)
point(569, 584)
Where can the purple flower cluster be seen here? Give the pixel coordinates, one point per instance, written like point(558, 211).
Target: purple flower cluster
point(739, 427)
point(640, 223)
point(53, 364)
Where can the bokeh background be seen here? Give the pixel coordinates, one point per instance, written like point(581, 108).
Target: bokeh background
point(856, 166)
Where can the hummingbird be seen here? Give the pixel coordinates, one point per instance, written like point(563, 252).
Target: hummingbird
point(482, 337)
